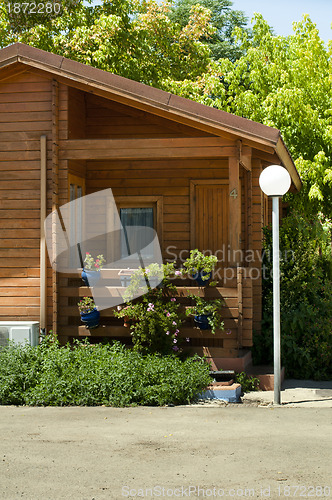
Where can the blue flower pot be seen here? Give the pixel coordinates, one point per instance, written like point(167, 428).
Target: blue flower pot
point(199, 278)
point(91, 319)
point(90, 278)
point(202, 322)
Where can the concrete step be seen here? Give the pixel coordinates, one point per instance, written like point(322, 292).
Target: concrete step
point(222, 391)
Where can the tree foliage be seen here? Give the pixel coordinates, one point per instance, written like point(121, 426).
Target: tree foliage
point(306, 301)
point(224, 19)
point(133, 38)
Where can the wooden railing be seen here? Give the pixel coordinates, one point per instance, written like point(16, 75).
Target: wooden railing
point(236, 313)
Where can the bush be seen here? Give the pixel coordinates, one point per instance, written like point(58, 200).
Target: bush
point(306, 303)
point(91, 375)
point(248, 382)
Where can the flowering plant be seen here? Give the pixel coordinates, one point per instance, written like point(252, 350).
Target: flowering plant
point(157, 315)
point(91, 264)
point(86, 305)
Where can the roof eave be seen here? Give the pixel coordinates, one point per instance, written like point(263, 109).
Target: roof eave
point(287, 161)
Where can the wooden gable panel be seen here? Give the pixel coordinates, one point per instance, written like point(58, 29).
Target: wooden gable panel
point(106, 118)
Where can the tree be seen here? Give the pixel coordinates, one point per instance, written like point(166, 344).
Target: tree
point(133, 38)
point(222, 43)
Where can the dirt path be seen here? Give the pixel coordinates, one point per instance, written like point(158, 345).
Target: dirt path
point(220, 452)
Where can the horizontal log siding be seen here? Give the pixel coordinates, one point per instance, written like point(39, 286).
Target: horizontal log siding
point(25, 115)
point(63, 132)
point(257, 242)
point(169, 179)
point(65, 122)
point(107, 119)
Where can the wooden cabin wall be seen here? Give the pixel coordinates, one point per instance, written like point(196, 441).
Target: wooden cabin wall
point(74, 126)
point(108, 119)
point(32, 105)
point(76, 114)
point(25, 115)
point(258, 223)
point(169, 179)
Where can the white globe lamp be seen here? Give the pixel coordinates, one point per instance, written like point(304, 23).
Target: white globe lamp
point(275, 181)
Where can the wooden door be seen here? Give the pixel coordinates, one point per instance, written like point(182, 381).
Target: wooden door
point(209, 218)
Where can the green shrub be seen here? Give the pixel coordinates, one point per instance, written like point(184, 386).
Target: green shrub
point(91, 375)
point(248, 382)
point(306, 303)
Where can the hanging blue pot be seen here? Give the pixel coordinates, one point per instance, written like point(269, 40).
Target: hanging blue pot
point(91, 319)
point(202, 322)
point(199, 278)
point(90, 277)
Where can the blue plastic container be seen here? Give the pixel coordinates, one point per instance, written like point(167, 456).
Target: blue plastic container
point(199, 278)
point(202, 322)
point(91, 319)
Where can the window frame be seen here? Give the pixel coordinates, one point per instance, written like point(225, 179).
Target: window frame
point(156, 202)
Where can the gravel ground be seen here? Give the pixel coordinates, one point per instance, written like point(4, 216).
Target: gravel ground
point(210, 450)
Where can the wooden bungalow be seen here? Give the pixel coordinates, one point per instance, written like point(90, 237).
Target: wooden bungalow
point(67, 127)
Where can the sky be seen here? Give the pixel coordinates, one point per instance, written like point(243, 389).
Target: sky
point(281, 14)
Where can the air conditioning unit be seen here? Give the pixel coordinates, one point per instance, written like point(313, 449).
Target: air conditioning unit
point(19, 332)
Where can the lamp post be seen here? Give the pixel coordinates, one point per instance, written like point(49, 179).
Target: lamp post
point(275, 181)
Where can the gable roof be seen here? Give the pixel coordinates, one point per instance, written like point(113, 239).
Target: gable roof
point(151, 99)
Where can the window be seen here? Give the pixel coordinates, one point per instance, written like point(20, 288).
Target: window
point(137, 212)
point(133, 237)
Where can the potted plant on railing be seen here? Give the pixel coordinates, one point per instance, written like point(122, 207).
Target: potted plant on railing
point(89, 314)
point(121, 312)
point(206, 313)
point(200, 266)
point(150, 277)
point(91, 270)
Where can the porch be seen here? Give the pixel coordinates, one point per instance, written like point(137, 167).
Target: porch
point(222, 347)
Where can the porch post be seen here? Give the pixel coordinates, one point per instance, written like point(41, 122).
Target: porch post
point(234, 212)
point(55, 194)
point(43, 263)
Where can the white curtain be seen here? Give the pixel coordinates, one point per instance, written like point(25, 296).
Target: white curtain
point(133, 237)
